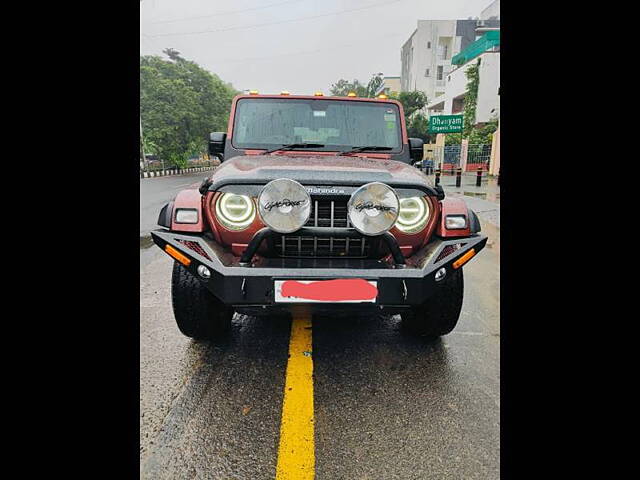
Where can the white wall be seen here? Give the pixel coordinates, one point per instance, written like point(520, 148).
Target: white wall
point(488, 97)
point(493, 10)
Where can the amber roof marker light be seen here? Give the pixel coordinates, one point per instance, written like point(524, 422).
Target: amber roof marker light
point(318, 94)
point(253, 92)
point(351, 94)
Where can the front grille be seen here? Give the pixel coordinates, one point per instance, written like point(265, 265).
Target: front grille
point(328, 213)
point(324, 214)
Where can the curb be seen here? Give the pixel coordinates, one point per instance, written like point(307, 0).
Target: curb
point(165, 173)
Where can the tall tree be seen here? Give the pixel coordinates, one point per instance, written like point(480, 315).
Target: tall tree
point(180, 103)
point(342, 87)
point(412, 102)
point(173, 54)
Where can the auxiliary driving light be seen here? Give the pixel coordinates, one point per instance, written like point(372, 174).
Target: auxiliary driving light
point(373, 208)
point(284, 205)
point(440, 274)
point(204, 272)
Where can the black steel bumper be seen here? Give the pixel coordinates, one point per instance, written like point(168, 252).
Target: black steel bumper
point(251, 288)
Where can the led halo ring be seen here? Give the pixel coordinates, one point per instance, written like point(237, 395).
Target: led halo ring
point(284, 205)
point(373, 208)
point(414, 215)
point(235, 212)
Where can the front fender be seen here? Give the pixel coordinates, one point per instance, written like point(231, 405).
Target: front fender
point(457, 206)
point(190, 199)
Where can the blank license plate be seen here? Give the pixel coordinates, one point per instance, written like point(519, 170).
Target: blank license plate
point(341, 290)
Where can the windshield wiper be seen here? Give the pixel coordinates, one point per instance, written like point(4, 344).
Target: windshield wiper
point(292, 146)
point(361, 149)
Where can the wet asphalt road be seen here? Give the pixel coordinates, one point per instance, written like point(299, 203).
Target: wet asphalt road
point(154, 193)
point(388, 405)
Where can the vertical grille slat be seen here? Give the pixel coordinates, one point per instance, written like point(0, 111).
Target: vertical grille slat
point(325, 213)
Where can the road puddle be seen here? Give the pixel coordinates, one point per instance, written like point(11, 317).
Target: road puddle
point(146, 242)
point(490, 196)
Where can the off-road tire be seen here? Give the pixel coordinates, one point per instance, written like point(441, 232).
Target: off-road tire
point(438, 315)
point(198, 313)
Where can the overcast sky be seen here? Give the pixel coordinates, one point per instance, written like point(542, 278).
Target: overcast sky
point(273, 45)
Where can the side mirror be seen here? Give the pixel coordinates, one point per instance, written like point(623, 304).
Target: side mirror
point(216, 143)
point(416, 149)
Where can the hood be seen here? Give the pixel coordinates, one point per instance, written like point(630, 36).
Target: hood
point(319, 170)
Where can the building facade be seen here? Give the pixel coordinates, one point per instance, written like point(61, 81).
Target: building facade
point(488, 100)
point(426, 55)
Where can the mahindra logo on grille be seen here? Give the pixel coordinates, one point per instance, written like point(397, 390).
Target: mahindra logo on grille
point(371, 206)
point(283, 203)
point(325, 191)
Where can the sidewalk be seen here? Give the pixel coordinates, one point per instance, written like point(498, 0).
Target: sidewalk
point(484, 200)
point(164, 173)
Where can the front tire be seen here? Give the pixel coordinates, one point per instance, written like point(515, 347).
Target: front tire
point(438, 315)
point(198, 313)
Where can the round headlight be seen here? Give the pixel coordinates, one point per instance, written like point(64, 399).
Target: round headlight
point(373, 208)
point(414, 214)
point(284, 205)
point(235, 212)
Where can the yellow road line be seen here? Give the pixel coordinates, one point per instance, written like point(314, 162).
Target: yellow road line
point(296, 453)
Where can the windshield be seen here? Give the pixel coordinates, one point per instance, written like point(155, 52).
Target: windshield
point(266, 123)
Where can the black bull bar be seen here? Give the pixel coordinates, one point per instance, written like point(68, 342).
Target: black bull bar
point(238, 282)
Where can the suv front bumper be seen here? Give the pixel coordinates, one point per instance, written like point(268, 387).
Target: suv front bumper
point(251, 288)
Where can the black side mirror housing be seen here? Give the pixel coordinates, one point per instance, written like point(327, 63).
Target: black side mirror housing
point(416, 149)
point(216, 143)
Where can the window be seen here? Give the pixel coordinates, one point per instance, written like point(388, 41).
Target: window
point(426, 73)
point(428, 44)
point(268, 123)
point(440, 72)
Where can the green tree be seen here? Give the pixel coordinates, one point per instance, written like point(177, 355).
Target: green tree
point(412, 102)
point(374, 84)
point(471, 98)
point(342, 87)
point(180, 103)
point(418, 127)
point(417, 123)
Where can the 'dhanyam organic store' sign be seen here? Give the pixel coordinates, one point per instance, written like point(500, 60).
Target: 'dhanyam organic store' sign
point(445, 124)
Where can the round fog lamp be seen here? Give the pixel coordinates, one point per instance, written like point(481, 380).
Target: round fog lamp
point(373, 208)
point(440, 274)
point(284, 205)
point(204, 272)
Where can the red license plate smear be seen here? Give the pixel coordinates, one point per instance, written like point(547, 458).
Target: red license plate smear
point(331, 290)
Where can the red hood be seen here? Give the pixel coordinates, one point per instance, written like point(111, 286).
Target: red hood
point(324, 169)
